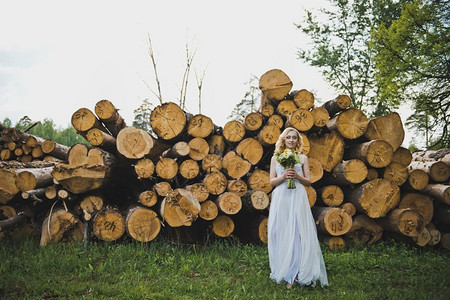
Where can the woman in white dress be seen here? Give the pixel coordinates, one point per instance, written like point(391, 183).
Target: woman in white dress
point(294, 250)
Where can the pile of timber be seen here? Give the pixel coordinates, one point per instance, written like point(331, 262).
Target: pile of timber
point(190, 179)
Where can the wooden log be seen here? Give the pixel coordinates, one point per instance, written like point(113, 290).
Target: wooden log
point(350, 123)
point(374, 198)
point(315, 169)
point(11, 223)
point(199, 148)
point(134, 143)
point(189, 169)
point(402, 156)
point(212, 163)
point(233, 131)
point(267, 110)
point(438, 170)
point(199, 191)
point(337, 104)
point(144, 168)
point(423, 238)
point(335, 243)
point(253, 121)
point(223, 226)
point(63, 194)
point(8, 188)
point(237, 186)
point(328, 149)
point(268, 135)
point(312, 195)
point(275, 84)
point(397, 173)
point(108, 225)
point(5, 154)
point(110, 117)
point(208, 211)
point(32, 178)
point(256, 200)
point(61, 226)
point(18, 152)
point(432, 155)
point(162, 188)
point(101, 139)
point(276, 120)
point(235, 166)
point(435, 234)
point(423, 204)
point(302, 98)
point(215, 183)
point(406, 221)
point(39, 193)
point(445, 240)
point(301, 119)
point(251, 150)
point(285, 108)
point(168, 121)
point(54, 149)
point(306, 145)
point(440, 192)
point(332, 220)
point(371, 174)
point(90, 205)
point(260, 180)
point(375, 153)
point(37, 152)
point(388, 128)
point(350, 172)
point(148, 198)
point(86, 170)
point(142, 224)
point(321, 116)
point(216, 144)
point(331, 195)
point(200, 126)
point(349, 208)
point(417, 179)
point(51, 192)
point(166, 168)
point(180, 208)
point(364, 230)
point(84, 119)
point(179, 149)
point(229, 203)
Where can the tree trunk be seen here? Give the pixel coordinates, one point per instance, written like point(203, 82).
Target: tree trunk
point(168, 121)
point(371, 174)
point(148, 198)
point(417, 179)
point(253, 121)
point(315, 169)
point(108, 225)
point(256, 200)
point(251, 150)
point(217, 144)
point(423, 204)
point(302, 98)
point(350, 172)
point(338, 104)
point(167, 168)
point(208, 211)
point(312, 195)
point(144, 168)
point(8, 186)
point(90, 205)
point(275, 84)
point(402, 156)
point(179, 149)
point(237, 186)
point(268, 135)
point(301, 119)
point(285, 108)
point(438, 170)
point(33, 178)
point(142, 224)
point(54, 149)
point(162, 188)
point(397, 173)
point(199, 190)
point(276, 120)
point(189, 169)
point(321, 116)
point(388, 128)
point(101, 139)
point(84, 119)
point(235, 166)
point(180, 208)
point(229, 203)
point(376, 153)
point(200, 126)
point(433, 155)
point(212, 163)
point(199, 148)
point(233, 131)
point(223, 226)
point(403, 220)
point(215, 182)
point(110, 116)
point(439, 192)
point(267, 110)
point(332, 220)
point(134, 143)
point(61, 225)
point(350, 123)
point(364, 230)
point(335, 243)
point(331, 195)
point(349, 208)
point(374, 198)
point(327, 149)
point(260, 180)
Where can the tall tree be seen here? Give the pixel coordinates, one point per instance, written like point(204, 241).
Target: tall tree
point(340, 39)
point(413, 64)
point(142, 116)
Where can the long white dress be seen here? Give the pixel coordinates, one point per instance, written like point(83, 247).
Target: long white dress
point(294, 250)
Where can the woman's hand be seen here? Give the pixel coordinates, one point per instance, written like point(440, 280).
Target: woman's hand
point(290, 173)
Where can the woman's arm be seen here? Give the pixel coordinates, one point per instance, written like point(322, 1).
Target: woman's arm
point(306, 178)
point(274, 180)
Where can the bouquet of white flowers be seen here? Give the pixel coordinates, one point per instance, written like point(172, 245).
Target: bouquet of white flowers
point(287, 160)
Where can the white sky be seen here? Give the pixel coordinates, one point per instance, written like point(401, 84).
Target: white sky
point(58, 56)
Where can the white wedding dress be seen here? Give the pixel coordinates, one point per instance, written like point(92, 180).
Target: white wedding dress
point(294, 250)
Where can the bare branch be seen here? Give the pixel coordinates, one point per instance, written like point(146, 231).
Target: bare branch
point(184, 83)
point(150, 51)
point(199, 85)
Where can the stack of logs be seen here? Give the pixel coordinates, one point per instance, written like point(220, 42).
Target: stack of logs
point(190, 178)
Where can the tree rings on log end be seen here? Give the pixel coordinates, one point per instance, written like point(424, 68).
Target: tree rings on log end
point(229, 203)
point(142, 224)
point(223, 226)
point(134, 143)
point(148, 198)
point(275, 84)
point(168, 120)
point(234, 131)
point(208, 211)
point(260, 180)
point(144, 168)
point(109, 225)
point(200, 126)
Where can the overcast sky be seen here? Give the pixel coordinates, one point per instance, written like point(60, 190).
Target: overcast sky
point(58, 56)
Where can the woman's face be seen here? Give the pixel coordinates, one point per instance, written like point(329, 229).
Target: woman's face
point(291, 140)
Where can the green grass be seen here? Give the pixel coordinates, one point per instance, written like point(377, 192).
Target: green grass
point(222, 270)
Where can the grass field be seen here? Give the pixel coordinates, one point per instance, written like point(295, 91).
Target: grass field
point(223, 269)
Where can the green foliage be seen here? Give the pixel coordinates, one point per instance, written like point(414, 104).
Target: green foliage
point(142, 116)
point(248, 103)
point(340, 48)
point(221, 270)
point(412, 64)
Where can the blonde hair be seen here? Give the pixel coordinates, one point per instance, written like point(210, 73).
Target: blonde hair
point(280, 145)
